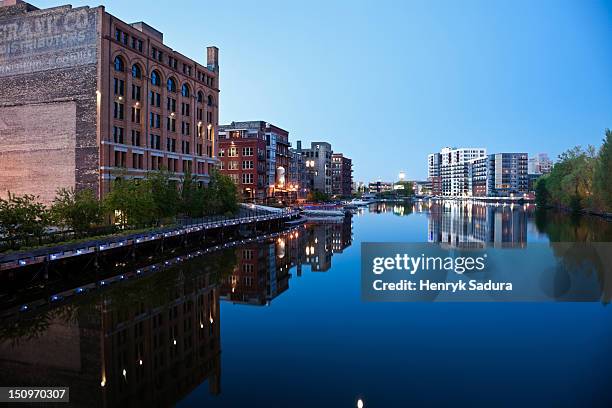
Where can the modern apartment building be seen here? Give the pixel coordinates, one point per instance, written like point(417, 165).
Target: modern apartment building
point(434, 163)
point(318, 160)
point(87, 98)
point(477, 176)
point(454, 169)
point(501, 174)
point(507, 174)
point(342, 175)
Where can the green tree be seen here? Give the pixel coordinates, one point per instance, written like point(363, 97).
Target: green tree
point(602, 182)
point(570, 183)
point(164, 193)
point(318, 196)
point(77, 210)
point(221, 195)
point(22, 216)
point(192, 197)
point(131, 203)
point(407, 191)
point(542, 193)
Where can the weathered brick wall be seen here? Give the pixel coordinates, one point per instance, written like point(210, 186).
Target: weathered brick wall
point(48, 82)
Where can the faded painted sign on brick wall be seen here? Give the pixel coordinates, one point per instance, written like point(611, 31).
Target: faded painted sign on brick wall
point(40, 41)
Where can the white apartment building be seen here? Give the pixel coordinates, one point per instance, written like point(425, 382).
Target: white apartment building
point(454, 169)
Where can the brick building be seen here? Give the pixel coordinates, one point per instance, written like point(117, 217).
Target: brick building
point(255, 154)
point(86, 98)
point(342, 175)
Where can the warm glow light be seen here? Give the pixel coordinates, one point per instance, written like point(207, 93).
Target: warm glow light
point(211, 319)
point(140, 362)
point(174, 341)
point(124, 372)
point(359, 403)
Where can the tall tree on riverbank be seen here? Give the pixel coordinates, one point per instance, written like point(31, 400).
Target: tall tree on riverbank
point(603, 174)
point(164, 194)
point(131, 203)
point(221, 195)
point(22, 216)
point(77, 210)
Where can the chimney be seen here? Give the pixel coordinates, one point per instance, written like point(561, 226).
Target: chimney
point(212, 58)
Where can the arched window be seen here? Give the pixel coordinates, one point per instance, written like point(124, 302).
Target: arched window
point(210, 100)
point(155, 78)
point(119, 65)
point(136, 71)
point(200, 97)
point(185, 90)
point(171, 85)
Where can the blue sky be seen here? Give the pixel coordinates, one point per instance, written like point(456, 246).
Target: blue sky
point(387, 82)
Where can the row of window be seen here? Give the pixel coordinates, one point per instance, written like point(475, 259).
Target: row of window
point(233, 165)
point(171, 84)
point(155, 142)
point(233, 152)
point(137, 44)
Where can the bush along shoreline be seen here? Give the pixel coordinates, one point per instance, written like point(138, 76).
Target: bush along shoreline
point(132, 204)
point(580, 182)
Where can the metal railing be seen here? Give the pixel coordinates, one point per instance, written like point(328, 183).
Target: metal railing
point(244, 215)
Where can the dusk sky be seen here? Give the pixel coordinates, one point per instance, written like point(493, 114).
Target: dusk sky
point(387, 82)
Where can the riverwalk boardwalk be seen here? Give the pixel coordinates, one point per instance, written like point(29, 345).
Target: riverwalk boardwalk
point(46, 255)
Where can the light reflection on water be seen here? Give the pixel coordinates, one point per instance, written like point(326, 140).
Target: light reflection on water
point(281, 324)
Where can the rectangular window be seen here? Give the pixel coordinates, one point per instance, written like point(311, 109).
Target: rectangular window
point(120, 158)
point(232, 152)
point(247, 178)
point(221, 152)
point(171, 104)
point(247, 151)
point(136, 115)
point(232, 165)
point(171, 124)
point(155, 142)
point(118, 86)
point(118, 134)
point(185, 108)
point(135, 92)
point(135, 138)
point(185, 147)
point(247, 164)
point(137, 160)
point(171, 144)
point(118, 111)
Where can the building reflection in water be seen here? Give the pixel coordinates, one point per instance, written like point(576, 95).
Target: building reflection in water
point(152, 340)
point(452, 222)
point(262, 270)
point(148, 342)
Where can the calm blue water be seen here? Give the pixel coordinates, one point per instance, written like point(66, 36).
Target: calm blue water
point(283, 325)
point(319, 345)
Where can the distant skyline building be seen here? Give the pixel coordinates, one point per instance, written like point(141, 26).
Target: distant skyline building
point(540, 164)
point(342, 175)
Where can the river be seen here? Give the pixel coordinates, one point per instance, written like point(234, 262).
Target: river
point(281, 323)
